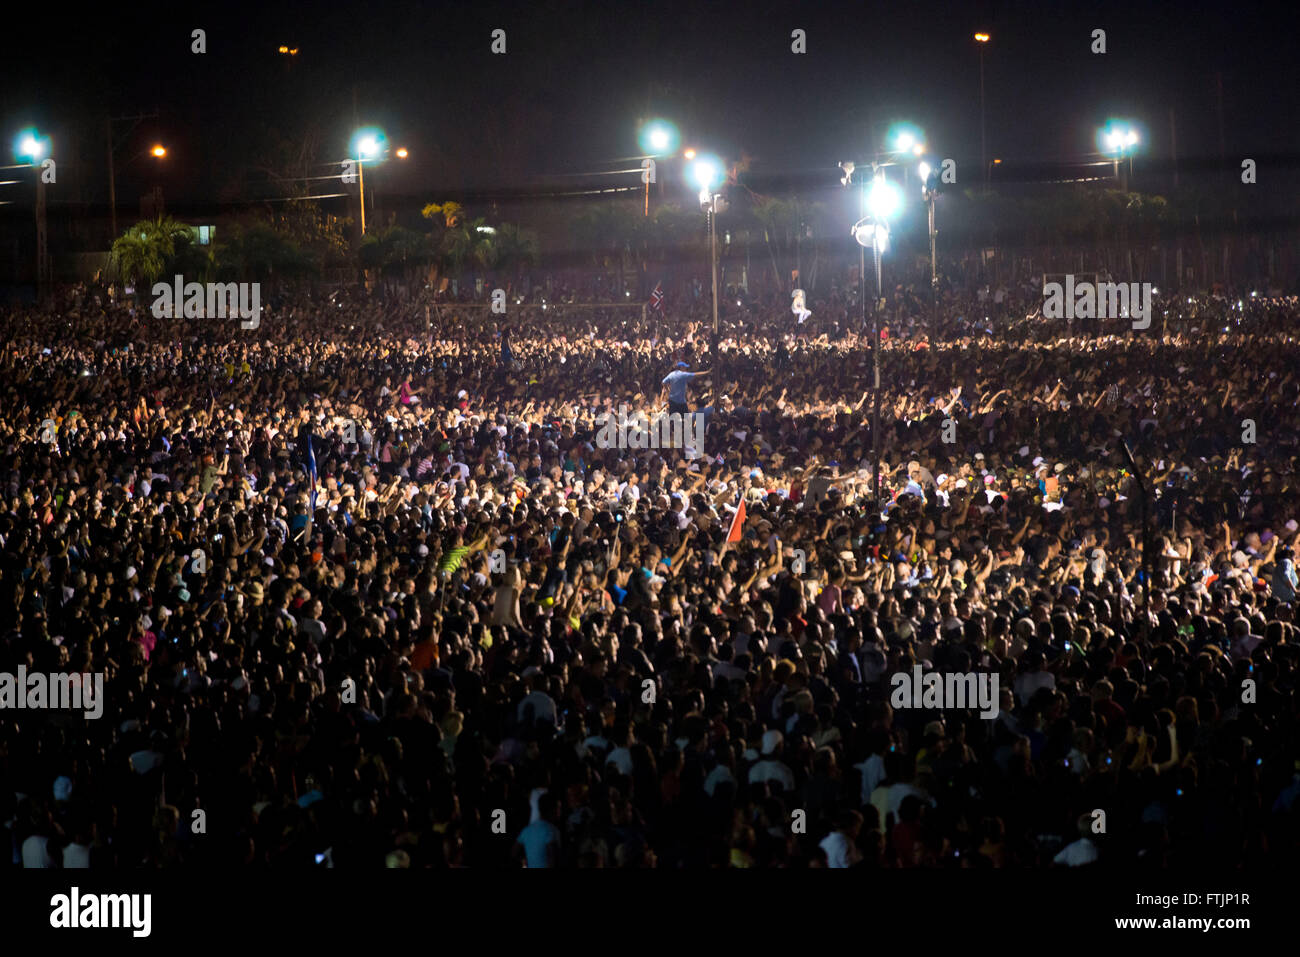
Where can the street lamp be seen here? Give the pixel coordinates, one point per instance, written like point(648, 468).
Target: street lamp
point(982, 39)
point(32, 148)
point(882, 202)
point(707, 173)
point(907, 140)
point(1119, 140)
point(367, 144)
point(658, 138)
point(929, 190)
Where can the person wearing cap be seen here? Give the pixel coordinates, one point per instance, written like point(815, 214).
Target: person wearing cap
point(675, 387)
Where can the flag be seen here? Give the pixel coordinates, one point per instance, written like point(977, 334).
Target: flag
point(311, 474)
point(657, 298)
point(738, 522)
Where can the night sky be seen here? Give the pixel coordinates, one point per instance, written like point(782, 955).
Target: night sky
point(567, 96)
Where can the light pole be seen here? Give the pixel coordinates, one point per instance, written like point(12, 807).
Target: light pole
point(1120, 140)
point(33, 149)
point(849, 168)
point(369, 144)
point(112, 173)
point(929, 190)
point(982, 39)
point(367, 147)
point(883, 201)
point(708, 176)
point(658, 138)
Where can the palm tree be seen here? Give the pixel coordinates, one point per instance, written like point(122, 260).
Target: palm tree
point(447, 214)
point(467, 244)
point(443, 217)
point(144, 252)
point(396, 253)
point(515, 250)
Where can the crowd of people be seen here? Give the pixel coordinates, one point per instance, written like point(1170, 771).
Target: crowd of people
point(367, 591)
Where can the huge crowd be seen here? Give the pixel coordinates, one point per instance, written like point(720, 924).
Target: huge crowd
point(494, 642)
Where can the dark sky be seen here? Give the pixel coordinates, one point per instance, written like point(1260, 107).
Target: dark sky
point(567, 95)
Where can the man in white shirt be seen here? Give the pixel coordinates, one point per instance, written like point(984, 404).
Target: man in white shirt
point(841, 845)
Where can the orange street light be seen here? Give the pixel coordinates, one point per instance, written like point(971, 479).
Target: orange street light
point(159, 151)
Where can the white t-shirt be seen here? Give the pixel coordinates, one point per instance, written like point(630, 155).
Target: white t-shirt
point(840, 851)
point(34, 852)
point(1081, 852)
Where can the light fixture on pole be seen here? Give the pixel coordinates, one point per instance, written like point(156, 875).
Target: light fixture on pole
point(658, 138)
point(929, 190)
point(33, 149)
point(883, 201)
point(708, 175)
point(367, 144)
point(1119, 140)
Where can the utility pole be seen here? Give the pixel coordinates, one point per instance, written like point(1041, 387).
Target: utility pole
point(112, 148)
point(713, 247)
point(42, 248)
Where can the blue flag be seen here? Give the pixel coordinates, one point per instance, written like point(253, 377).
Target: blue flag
point(311, 473)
